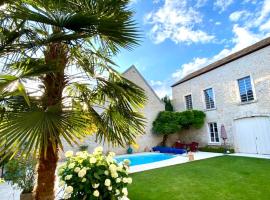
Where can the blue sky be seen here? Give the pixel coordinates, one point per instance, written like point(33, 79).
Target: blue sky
point(181, 36)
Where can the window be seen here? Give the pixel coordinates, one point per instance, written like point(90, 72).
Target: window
point(213, 131)
point(188, 99)
point(245, 89)
point(209, 98)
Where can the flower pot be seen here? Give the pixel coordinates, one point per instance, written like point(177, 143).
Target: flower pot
point(26, 196)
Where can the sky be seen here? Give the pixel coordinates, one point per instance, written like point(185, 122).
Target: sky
point(182, 36)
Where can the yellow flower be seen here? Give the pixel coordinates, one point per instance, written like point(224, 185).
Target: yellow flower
point(83, 180)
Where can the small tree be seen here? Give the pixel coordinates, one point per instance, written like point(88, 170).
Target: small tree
point(168, 103)
point(168, 122)
point(165, 124)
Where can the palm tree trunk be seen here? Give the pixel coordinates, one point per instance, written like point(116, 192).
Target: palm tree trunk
point(54, 84)
point(46, 174)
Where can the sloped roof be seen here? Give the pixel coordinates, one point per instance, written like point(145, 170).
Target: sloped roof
point(141, 76)
point(248, 50)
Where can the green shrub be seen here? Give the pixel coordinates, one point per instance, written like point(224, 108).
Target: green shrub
point(168, 122)
point(215, 149)
point(21, 173)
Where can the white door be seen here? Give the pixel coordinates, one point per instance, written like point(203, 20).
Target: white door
point(252, 135)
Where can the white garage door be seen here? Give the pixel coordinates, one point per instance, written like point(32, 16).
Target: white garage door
point(252, 135)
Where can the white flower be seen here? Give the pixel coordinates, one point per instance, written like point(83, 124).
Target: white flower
point(68, 177)
point(62, 183)
point(69, 154)
point(110, 188)
point(115, 175)
point(124, 198)
point(77, 169)
point(71, 165)
point(83, 180)
point(120, 167)
point(112, 168)
point(96, 193)
point(67, 196)
point(129, 180)
point(98, 150)
point(82, 173)
point(106, 172)
point(107, 182)
point(96, 185)
point(93, 160)
point(79, 153)
point(118, 180)
point(109, 159)
point(117, 192)
point(69, 189)
point(111, 154)
point(125, 191)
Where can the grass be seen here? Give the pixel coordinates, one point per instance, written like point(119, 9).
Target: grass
point(220, 178)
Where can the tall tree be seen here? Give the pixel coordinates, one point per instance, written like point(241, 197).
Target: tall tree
point(57, 55)
point(168, 103)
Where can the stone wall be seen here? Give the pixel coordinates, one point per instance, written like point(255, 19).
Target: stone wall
point(223, 80)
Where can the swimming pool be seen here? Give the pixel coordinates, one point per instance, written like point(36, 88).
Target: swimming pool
point(140, 159)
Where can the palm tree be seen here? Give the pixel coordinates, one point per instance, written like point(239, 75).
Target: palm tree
point(56, 54)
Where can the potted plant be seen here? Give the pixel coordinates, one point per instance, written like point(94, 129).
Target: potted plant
point(20, 172)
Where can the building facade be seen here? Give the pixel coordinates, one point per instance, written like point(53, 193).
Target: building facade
point(235, 92)
point(151, 109)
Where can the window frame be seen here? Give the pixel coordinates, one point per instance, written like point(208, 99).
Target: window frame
point(209, 134)
point(252, 87)
point(186, 101)
point(214, 99)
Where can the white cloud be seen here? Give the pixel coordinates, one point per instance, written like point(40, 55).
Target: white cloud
point(265, 26)
point(218, 23)
point(264, 12)
point(223, 4)
point(235, 16)
point(200, 3)
point(163, 90)
point(176, 20)
point(155, 83)
point(243, 38)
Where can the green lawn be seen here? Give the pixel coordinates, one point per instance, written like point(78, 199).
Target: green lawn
point(220, 178)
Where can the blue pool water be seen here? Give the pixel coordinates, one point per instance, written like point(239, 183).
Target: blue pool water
point(144, 158)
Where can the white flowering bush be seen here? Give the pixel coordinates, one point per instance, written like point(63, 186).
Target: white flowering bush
point(94, 176)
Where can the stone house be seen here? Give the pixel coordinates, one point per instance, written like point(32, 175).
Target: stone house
point(151, 109)
point(235, 92)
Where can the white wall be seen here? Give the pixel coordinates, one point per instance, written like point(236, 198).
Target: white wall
point(224, 82)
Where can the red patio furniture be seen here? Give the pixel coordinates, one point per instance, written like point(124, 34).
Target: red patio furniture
point(180, 145)
point(193, 146)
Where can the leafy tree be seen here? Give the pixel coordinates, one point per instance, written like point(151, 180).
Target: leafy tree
point(165, 124)
point(168, 103)
point(168, 122)
point(57, 56)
